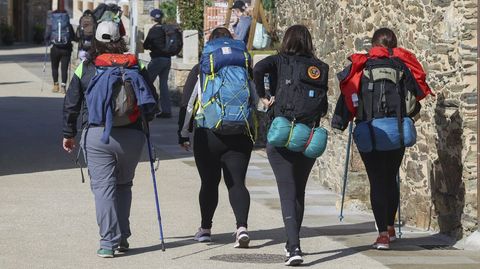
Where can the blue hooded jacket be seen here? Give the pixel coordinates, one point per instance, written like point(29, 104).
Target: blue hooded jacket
point(99, 96)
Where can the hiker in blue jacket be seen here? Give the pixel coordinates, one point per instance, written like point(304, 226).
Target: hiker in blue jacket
point(111, 150)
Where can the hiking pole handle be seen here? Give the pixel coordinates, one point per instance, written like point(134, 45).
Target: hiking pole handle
point(345, 171)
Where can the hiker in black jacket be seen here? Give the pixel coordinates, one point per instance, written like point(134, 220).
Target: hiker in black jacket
point(111, 165)
point(160, 63)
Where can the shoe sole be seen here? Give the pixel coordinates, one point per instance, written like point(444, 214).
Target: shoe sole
point(122, 249)
point(243, 242)
point(293, 261)
point(105, 255)
point(203, 239)
point(381, 246)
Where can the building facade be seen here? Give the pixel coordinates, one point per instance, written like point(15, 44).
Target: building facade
point(26, 17)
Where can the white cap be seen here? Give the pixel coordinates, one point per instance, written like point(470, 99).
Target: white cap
point(107, 31)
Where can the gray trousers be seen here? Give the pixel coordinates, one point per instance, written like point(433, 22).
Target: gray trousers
point(160, 67)
point(112, 168)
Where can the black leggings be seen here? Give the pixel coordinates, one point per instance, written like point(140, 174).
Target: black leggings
point(382, 168)
point(57, 56)
point(230, 153)
point(291, 171)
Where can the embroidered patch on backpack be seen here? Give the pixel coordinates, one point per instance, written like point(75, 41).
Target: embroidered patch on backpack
point(313, 72)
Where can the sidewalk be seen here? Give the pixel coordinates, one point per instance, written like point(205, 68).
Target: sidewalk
point(48, 218)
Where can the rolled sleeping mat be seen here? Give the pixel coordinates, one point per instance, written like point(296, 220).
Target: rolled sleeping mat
point(299, 137)
point(279, 132)
point(317, 144)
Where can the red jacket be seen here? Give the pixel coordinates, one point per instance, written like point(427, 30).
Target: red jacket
point(351, 84)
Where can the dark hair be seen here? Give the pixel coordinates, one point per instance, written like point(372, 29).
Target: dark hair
point(220, 32)
point(384, 37)
point(297, 41)
point(99, 47)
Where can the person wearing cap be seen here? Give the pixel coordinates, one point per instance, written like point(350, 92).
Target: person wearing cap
point(111, 165)
point(160, 62)
point(241, 28)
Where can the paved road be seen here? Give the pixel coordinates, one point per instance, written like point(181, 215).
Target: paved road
point(48, 220)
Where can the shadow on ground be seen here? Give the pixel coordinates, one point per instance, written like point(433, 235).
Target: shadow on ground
point(31, 136)
point(276, 237)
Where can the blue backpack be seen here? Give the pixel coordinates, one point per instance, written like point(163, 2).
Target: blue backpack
point(224, 104)
point(60, 34)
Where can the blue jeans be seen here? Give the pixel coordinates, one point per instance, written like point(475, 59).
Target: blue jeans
point(160, 67)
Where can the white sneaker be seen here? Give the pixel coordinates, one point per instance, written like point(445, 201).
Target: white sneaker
point(242, 238)
point(203, 235)
point(294, 258)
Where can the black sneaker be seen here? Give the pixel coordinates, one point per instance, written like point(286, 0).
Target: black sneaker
point(294, 257)
point(124, 246)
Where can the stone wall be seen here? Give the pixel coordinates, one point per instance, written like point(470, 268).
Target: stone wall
point(438, 189)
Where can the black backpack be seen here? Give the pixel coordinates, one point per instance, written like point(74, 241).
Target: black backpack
point(173, 40)
point(301, 92)
point(383, 92)
point(86, 29)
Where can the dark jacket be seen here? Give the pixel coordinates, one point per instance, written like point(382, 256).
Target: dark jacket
point(187, 93)
point(271, 65)
point(74, 103)
point(155, 41)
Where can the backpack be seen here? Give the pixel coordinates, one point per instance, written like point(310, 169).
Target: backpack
point(301, 93)
point(224, 102)
point(60, 34)
point(173, 40)
point(104, 12)
point(86, 29)
point(117, 94)
point(384, 107)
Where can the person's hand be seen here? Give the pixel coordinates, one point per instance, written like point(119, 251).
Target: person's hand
point(268, 102)
point(69, 144)
point(186, 145)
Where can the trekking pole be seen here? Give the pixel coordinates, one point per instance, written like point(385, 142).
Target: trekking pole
point(152, 169)
point(44, 66)
point(345, 171)
point(399, 207)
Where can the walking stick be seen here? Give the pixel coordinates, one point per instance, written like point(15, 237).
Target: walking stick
point(152, 170)
point(399, 207)
point(44, 66)
point(345, 171)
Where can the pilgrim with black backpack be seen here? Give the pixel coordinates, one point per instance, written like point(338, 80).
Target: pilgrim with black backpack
point(60, 34)
point(380, 90)
point(295, 138)
point(86, 33)
point(163, 41)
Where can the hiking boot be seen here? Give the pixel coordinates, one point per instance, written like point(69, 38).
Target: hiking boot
point(294, 257)
point(124, 246)
point(63, 88)
point(164, 115)
point(105, 253)
point(203, 235)
point(56, 87)
point(382, 243)
point(391, 234)
point(242, 239)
